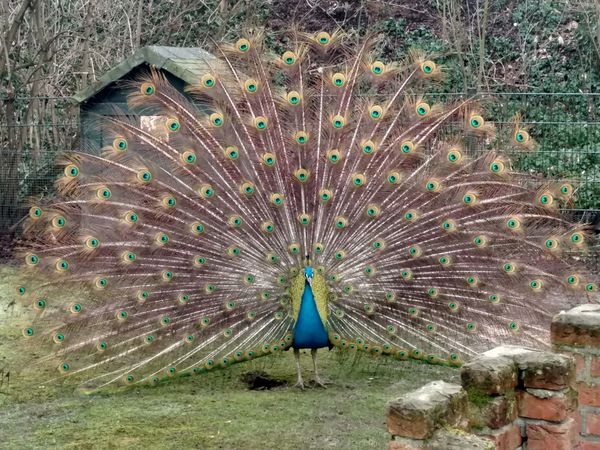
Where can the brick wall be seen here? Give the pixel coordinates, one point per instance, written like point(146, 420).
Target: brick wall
point(512, 398)
point(577, 333)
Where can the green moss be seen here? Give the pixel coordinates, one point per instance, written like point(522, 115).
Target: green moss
point(479, 398)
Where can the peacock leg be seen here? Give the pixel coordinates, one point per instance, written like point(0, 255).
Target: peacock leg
point(318, 380)
point(300, 383)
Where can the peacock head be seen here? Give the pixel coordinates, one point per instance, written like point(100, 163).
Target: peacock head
point(308, 270)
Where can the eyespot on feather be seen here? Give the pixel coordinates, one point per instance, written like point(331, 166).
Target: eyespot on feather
point(377, 68)
point(293, 98)
point(428, 67)
point(208, 80)
point(289, 58)
point(338, 79)
point(301, 137)
point(251, 86)
point(243, 45)
point(323, 38)
point(422, 109)
point(147, 88)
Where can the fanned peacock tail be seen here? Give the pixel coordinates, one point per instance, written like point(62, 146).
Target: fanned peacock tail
point(188, 239)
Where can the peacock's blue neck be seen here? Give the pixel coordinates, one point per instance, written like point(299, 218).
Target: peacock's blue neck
point(309, 331)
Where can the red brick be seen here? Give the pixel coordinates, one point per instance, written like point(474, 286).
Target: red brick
point(559, 436)
point(595, 366)
point(498, 412)
point(579, 326)
point(579, 364)
point(589, 394)
point(555, 408)
point(588, 445)
point(507, 438)
point(592, 425)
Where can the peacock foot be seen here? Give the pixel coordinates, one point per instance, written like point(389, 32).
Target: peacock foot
point(321, 383)
point(300, 384)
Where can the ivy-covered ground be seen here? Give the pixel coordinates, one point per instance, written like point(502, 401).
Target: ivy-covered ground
point(212, 411)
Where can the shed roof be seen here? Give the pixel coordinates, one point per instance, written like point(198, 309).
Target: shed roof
point(187, 63)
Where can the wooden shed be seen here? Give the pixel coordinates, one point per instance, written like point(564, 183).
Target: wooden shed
point(108, 95)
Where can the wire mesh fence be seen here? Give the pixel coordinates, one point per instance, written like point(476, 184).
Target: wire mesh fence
point(565, 125)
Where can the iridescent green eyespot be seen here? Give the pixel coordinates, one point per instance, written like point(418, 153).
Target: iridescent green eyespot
point(377, 68)
point(173, 125)
point(147, 88)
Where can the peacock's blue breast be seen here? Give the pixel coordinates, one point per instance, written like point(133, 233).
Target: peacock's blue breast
point(309, 331)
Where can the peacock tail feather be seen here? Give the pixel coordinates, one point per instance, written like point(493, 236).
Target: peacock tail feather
point(188, 237)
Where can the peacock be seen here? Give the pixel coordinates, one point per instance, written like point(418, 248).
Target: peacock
point(303, 200)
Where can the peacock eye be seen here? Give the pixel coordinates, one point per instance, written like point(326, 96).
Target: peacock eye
point(131, 217)
point(169, 201)
point(304, 219)
point(251, 85)
point(407, 147)
point(325, 195)
point(32, 259)
point(454, 156)
point(243, 45)
point(120, 144)
point(58, 221)
point(129, 256)
point(377, 68)
point(208, 80)
point(92, 243)
point(197, 227)
point(410, 215)
point(338, 121)
point(497, 167)
point(302, 175)
point(71, 171)
point(35, 212)
point(476, 121)
point(293, 97)
point(269, 159)
point(147, 88)
point(144, 176)
point(104, 193)
point(428, 67)
point(62, 265)
point(232, 152)
point(323, 38)
point(261, 122)
point(375, 112)
point(40, 304)
point(276, 199)
point(423, 109)
point(100, 283)
point(341, 222)
point(301, 137)
point(172, 125)
point(188, 157)
point(289, 58)
point(358, 179)
point(521, 136)
point(338, 79)
point(368, 147)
